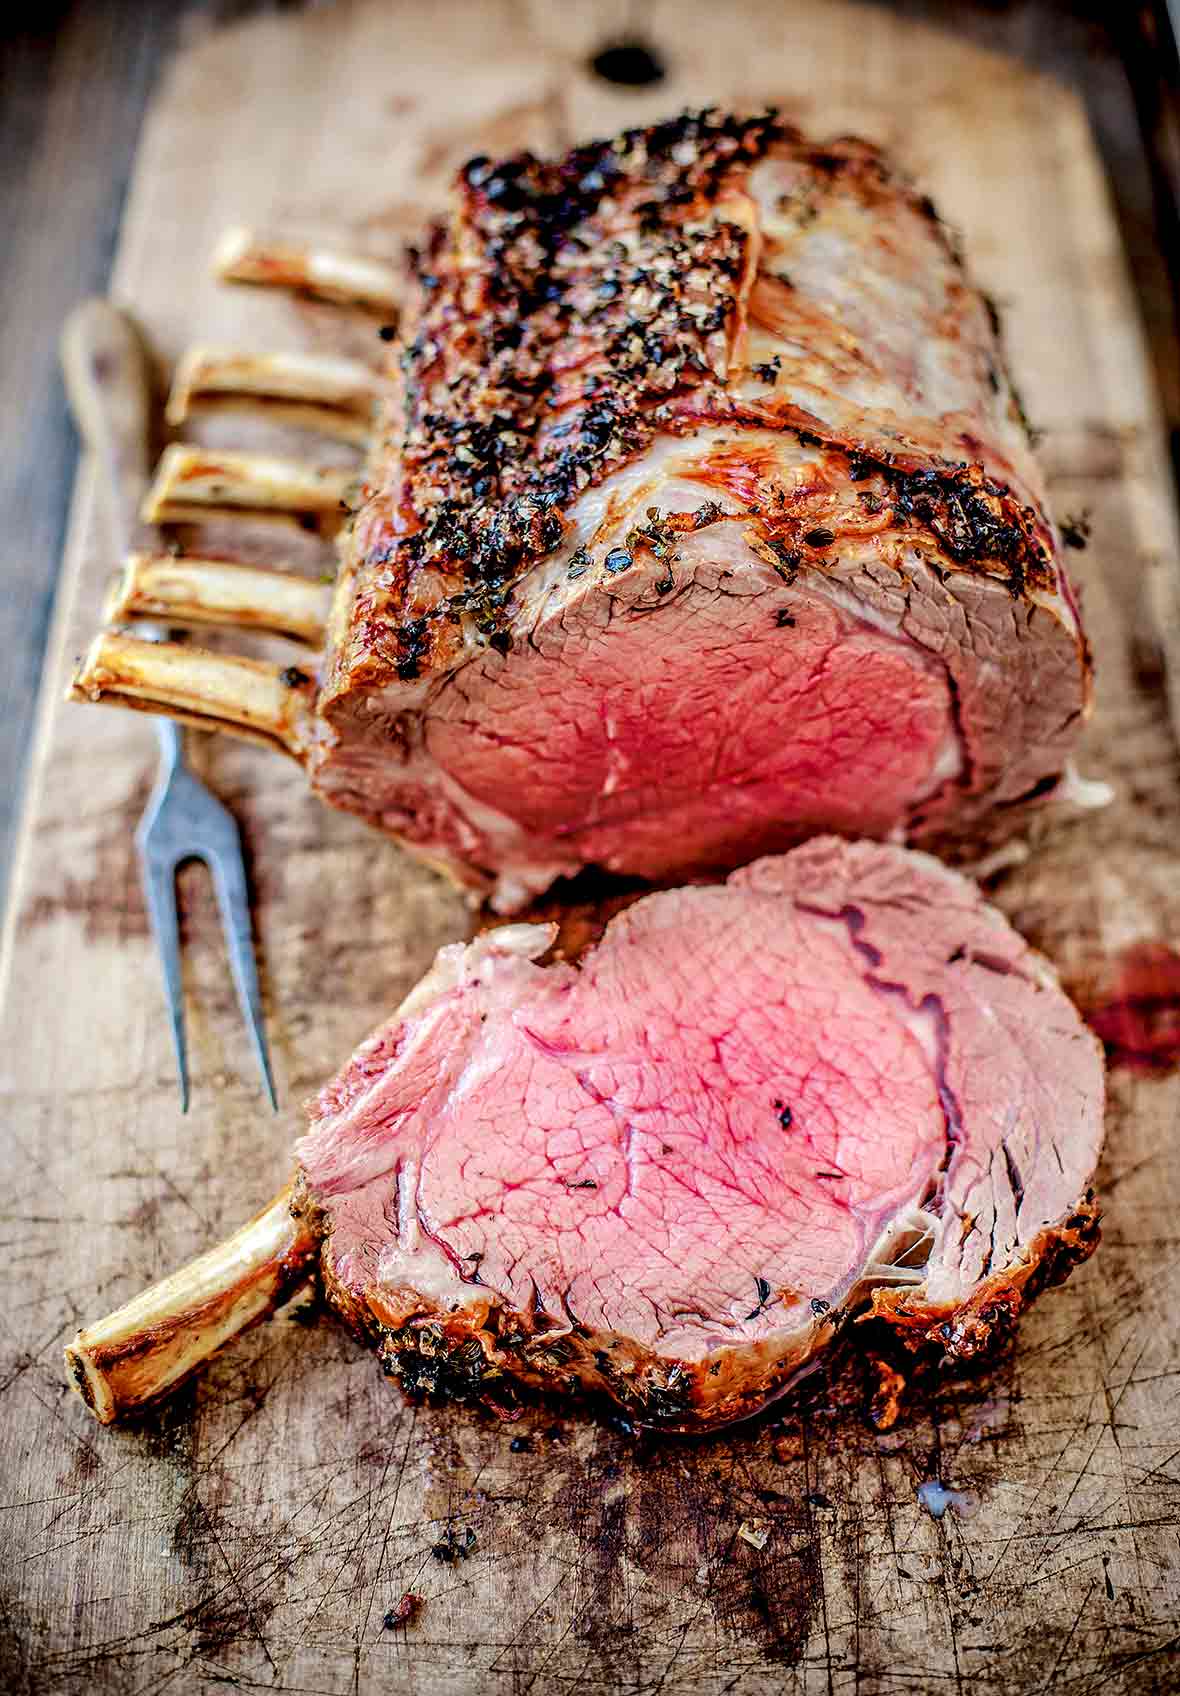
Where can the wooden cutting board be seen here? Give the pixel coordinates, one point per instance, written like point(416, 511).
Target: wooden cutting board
point(258, 1531)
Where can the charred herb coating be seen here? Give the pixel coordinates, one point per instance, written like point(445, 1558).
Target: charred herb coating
point(628, 249)
point(987, 1320)
point(429, 1363)
point(484, 481)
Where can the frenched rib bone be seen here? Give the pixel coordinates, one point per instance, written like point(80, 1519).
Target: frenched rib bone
point(332, 396)
point(185, 589)
point(357, 280)
point(254, 699)
point(191, 484)
point(154, 1342)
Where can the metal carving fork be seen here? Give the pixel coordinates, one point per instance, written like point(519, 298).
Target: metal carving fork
point(109, 383)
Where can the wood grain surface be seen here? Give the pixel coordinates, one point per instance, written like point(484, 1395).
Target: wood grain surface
point(258, 1532)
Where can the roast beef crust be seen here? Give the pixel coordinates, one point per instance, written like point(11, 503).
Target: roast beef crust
point(484, 1350)
point(568, 312)
point(988, 1317)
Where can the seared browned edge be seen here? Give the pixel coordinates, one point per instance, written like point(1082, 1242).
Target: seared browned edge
point(479, 501)
point(986, 1319)
point(485, 1352)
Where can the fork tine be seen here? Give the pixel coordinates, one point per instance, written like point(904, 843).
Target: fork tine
point(159, 886)
point(229, 880)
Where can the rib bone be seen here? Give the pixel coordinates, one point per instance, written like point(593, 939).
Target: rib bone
point(183, 589)
point(345, 279)
point(191, 484)
point(311, 391)
point(152, 1342)
point(249, 698)
point(157, 1339)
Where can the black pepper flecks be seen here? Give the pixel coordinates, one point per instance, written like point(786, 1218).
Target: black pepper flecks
point(482, 382)
point(763, 1288)
point(785, 560)
point(429, 1363)
point(621, 250)
point(629, 63)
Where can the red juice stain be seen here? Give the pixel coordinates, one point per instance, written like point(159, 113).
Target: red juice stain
point(1134, 1007)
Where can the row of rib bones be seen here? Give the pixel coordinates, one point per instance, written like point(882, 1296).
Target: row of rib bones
point(332, 396)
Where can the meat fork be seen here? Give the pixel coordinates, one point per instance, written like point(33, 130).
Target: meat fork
point(108, 380)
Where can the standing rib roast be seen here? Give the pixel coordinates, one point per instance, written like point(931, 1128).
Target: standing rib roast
point(837, 1084)
point(698, 517)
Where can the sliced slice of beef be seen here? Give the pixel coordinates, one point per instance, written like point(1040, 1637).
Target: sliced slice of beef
point(704, 520)
point(838, 1084)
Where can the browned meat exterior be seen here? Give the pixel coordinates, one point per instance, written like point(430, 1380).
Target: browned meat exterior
point(703, 519)
point(837, 1084)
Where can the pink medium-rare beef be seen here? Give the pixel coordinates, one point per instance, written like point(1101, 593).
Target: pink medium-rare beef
point(704, 519)
point(837, 1082)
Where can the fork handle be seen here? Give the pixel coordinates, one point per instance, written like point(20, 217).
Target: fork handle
point(170, 737)
point(108, 378)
